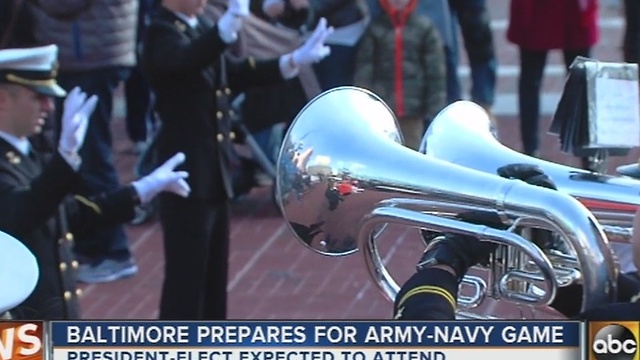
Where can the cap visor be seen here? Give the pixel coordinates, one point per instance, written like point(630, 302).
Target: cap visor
point(632, 170)
point(53, 90)
point(18, 272)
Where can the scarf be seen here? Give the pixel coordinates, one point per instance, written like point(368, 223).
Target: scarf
point(398, 20)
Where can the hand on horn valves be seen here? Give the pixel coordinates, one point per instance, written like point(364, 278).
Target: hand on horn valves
point(533, 175)
point(529, 173)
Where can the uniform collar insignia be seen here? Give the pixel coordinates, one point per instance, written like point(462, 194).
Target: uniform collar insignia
point(12, 157)
point(180, 26)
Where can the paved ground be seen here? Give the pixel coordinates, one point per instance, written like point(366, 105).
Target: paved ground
point(274, 277)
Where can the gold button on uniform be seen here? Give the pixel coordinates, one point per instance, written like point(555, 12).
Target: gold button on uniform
point(232, 135)
point(218, 93)
point(227, 91)
point(220, 137)
point(78, 292)
point(63, 266)
point(219, 115)
point(68, 236)
point(67, 295)
point(74, 264)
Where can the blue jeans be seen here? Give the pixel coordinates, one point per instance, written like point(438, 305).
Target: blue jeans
point(97, 171)
point(475, 25)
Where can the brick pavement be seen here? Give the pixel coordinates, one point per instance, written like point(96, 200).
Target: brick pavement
point(273, 276)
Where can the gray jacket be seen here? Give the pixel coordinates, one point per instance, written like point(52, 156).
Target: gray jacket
point(90, 34)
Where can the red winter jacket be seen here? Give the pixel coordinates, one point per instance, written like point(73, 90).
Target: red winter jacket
point(553, 24)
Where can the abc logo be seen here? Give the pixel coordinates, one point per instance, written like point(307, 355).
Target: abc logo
point(614, 342)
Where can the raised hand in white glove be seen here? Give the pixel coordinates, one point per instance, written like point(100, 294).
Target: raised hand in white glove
point(314, 49)
point(163, 178)
point(231, 21)
point(75, 120)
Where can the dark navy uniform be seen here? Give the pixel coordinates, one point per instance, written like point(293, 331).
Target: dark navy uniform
point(36, 209)
point(182, 65)
point(431, 294)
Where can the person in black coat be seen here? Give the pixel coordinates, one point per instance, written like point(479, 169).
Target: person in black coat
point(35, 206)
point(16, 24)
point(182, 57)
point(431, 293)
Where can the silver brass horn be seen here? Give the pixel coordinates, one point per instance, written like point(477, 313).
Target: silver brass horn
point(342, 174)
point(612, 199)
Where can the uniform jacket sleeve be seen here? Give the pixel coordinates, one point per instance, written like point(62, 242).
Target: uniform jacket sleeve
point(84, 213)
point(170, 52)
point(253, 73)
point(427, 295)
point(25, 208)
point(173, 53)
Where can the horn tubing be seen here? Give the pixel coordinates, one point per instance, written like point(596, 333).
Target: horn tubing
point(412, 218)
point(350, 138)
point(612, 199)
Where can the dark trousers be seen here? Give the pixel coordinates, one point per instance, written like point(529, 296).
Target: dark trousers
point(97, 170)
point(196, 249)
point(532, 64)
point(631, 43)
point(336, 69)
point(140, 118)
point(454, 90)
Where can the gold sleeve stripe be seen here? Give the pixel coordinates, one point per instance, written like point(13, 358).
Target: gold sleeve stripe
point(88, 203)
point(431, 290)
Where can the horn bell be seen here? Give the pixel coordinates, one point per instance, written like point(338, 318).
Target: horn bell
point(320, 164)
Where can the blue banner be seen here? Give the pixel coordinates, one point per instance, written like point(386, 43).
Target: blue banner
point(344, 334)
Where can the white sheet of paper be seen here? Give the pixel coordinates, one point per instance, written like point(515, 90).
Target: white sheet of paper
point(617, 112)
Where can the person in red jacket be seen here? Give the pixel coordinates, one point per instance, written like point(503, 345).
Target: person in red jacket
point(536, 27)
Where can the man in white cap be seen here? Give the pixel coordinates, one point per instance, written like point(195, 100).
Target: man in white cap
point(18, 273)
point(34, 202)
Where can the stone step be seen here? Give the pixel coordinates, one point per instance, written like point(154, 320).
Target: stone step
point(604, 22)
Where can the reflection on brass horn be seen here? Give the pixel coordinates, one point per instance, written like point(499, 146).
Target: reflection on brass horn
point(356, 176)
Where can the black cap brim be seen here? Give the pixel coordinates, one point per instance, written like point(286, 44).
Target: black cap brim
point(631, 170)
point(50, 90)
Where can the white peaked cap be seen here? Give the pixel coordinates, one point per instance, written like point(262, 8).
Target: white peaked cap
point(35, 68)
point(18, 272)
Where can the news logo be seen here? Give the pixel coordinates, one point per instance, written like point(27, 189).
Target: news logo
point(614, 340)
point(21, 340)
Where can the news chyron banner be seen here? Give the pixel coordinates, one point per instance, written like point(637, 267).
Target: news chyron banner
point(22, 340)
point(392, 340)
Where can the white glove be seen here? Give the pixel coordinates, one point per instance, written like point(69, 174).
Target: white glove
point(239, 7)
point(231, 21)
point(314, 49)
point(75, 120)
point(163, 178)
